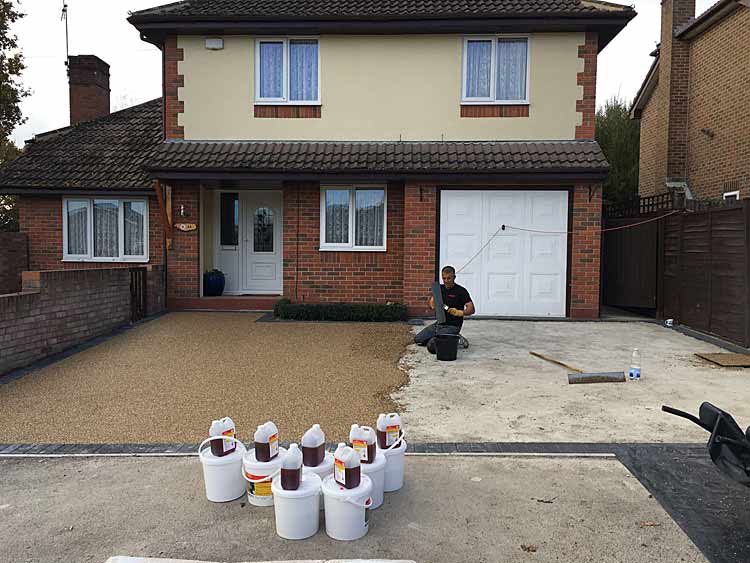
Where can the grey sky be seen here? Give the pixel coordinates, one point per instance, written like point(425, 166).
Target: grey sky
point(98, 27)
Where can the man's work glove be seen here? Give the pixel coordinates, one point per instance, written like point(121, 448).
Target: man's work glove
point(455, 312)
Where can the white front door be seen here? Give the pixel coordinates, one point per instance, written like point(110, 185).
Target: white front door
point(518, 273)
point(262, 254)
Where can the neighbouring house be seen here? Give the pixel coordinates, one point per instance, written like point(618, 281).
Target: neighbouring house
point(693, 105)
point(339, 152)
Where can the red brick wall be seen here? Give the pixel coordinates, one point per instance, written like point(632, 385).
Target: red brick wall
point(60, 309)
point(312, 276)
point(420, 242)
point(173, 81)
point(14, 259)
point(41, 219)
point(586, 106)
point(183, 265)
point(585, 249)
point(719, 102)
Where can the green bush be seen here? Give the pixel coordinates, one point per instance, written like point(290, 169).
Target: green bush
point(285, 309)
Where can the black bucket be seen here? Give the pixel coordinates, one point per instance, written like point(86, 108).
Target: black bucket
point(446, 347)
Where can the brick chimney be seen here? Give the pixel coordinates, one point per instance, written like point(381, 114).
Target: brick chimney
point(88, 76)
point(673, 75)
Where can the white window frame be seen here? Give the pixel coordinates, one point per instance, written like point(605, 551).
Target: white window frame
point(493, 70)
point(89, 256)
point(284, 99)
point(735, 193)
point(350, 246)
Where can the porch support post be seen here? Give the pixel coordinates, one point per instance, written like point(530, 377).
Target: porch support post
point(420, 245)
point(165, 214)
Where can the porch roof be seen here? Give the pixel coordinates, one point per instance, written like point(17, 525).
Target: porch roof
point(294, 159)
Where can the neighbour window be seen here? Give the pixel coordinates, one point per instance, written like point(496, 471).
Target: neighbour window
point(353, 218)
point(732, 196)
point(105, 230)
point(230, 219)
point(496, 70)
point(287, 71)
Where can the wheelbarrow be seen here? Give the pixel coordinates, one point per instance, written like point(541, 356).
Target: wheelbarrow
point(728, 446)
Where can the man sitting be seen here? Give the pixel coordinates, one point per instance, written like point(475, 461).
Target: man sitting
point(459, 304)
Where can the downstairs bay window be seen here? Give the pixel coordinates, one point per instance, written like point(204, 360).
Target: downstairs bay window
point(353, 218)
point(105, 230)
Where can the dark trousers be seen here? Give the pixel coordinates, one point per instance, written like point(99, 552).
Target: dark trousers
point(429, 332)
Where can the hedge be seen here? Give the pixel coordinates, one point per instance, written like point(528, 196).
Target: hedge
point(285, 309)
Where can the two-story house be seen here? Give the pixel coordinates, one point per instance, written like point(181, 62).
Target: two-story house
point(340, 152)
point(693, 104)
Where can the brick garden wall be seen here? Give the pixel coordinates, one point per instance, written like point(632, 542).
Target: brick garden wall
point(58, 310)
point(718, 150)
point(14, 259)
point(355, 277)
point(585, 251)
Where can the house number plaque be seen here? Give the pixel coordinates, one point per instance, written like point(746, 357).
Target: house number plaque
point(186, 227)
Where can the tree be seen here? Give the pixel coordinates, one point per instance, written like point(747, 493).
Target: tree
point(619, 138)
point(11, 94)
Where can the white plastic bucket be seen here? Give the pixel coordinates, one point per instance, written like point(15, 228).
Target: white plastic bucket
point(376, 472)
point(297, 512)
point(394, 466)
point(347, 510)
point(222, 475)
point(258, 475)
point(323, 470)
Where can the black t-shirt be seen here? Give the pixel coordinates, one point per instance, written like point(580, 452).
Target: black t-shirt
point(455, 297)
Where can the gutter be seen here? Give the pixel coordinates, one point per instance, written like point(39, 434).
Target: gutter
point(60, 191)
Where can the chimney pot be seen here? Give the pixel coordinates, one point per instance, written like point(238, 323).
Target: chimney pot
point(88, 77)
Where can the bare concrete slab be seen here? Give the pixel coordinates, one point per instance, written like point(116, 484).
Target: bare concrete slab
point(497, 391)
point(452, 509)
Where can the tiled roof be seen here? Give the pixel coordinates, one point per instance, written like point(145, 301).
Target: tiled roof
point(344, 9)
point(107, 153)
point(378, 157)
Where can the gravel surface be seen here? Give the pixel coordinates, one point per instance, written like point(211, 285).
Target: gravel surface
point(165, 380)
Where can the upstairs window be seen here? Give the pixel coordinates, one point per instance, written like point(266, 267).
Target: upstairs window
point(496, 70)
point(287, 71)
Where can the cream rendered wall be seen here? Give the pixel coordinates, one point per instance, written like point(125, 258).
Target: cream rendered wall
point(378, 88)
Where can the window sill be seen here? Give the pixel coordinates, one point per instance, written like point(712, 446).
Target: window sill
point(351, 249)
point(287, 111)
point(494, 110)
point(107, 260)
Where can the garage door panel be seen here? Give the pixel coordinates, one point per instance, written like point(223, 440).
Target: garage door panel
point(519, 273)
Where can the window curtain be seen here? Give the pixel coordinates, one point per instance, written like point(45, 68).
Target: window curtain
point(303, 70)
point(337, 217)
point(370, 217)
point(271, 70)
point(134, 213)
point(511, 69)
point(478, 68)
point(78, 219)
point(105, 229)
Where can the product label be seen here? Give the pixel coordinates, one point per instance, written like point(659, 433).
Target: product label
point(262, 489)
point(360, 446)
point(339, 472)
point(273, 445)
point(228, 444)
point(392, 434)
point(635, 373)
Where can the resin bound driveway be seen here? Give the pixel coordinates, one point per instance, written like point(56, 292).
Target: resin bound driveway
point(165, 380)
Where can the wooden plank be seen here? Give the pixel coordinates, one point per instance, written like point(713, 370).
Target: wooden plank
point(557, 362)
point(727, 359)
point(437, 295)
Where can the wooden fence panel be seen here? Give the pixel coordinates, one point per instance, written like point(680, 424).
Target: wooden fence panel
point(669, 297)
point(728, 259)
point(695, 272)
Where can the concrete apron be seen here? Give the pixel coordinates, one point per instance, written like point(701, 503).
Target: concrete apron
point(452, 508)
point(121, 559)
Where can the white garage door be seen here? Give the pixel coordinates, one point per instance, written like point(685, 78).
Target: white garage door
point(518, 273)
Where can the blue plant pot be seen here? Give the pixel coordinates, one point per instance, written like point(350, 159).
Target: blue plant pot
point(213, 284)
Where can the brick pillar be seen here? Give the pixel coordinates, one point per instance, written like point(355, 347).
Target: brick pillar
point(674, 76)
point(291, 240)
point(183, 263)
point(173, 81)
point(586, 106)
point(420, 244)
point(584, 263)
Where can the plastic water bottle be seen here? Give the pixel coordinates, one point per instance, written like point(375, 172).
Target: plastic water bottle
point(635, 366)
